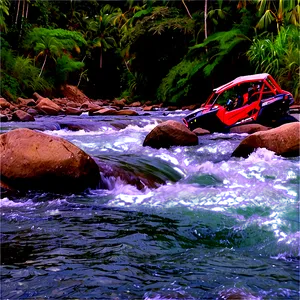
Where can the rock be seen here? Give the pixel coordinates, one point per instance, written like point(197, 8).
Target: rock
point(295, 108)
point(201, 131)
point(119, 103)
point(103, 111)
point(170, 133)
point(4, 103)
point(48, 107)
point(26, 102)
point(72, 111)
point(74, 94)
point(283, 140)
point(135, 104)
point(148, 103)
point(72, 104)
point(62, 102)
point(248, 128)
point(37, 96)
point(32, 160)
point(7, 191)
point(20, 115)
point(48, 102)
point(172, 108)
point(136, 171)
point(148, 108)
point(90, 107)
point(32, 111)
point(47, 110)
point(127, 112)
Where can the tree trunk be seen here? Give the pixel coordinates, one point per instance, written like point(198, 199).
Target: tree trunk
point(43, 65)
point(26, 16)
point(22, 19)
point(205, 19)
point(101, 57)
point(18, 9)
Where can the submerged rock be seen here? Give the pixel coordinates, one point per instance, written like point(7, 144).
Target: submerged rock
point(170, 133)
point(137, 170)
point(283, 140)
point(248, 128)
point(201, 131)
point(32, 160)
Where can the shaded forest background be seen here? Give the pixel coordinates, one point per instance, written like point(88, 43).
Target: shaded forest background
point(164, 51)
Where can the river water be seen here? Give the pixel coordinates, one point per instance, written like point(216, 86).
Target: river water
point(220, 228)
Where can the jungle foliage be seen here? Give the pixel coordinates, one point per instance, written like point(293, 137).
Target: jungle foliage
point(168, 51)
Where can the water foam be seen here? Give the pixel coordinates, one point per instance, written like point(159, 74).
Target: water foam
point(5, 202)
point(82, 132)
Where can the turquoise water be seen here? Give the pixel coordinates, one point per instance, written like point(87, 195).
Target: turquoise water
point(218, 228)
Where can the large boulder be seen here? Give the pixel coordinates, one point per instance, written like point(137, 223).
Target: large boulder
point(20, 115)
point(74, 94)
point(283, 140)
point(170, 133)
point(48, 107)
point(32, 160)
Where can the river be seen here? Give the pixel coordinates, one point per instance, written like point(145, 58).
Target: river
point(227, 229)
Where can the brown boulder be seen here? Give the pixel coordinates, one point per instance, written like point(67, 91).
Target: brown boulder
point(62, 102)
point(74, 94)
point(135, 104)
point(34, 160)
point(170, 133)
point(48, 107)
point(47, 110)
point(248, 128)
point(103, 111)
point(90, 107)
point(72, 111)
point(201, 131)
point(147, 108)
point(119, 103)
point(283, 140)
point(4, 103)
point(20, 115)
point(26, 102)
point(37, 96)
point(127, 112)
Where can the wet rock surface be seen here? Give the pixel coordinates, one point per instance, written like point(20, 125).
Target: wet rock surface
point(283, 140)
point(34, 160)
point(170, 133)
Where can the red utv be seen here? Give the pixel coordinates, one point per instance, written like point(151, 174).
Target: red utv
point(246, 99)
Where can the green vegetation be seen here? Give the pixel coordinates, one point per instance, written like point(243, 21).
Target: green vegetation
point(164, 51)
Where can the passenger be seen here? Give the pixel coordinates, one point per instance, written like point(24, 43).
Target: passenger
point(253, 93)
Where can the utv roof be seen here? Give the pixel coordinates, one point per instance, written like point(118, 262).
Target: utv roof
point(241, 79)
